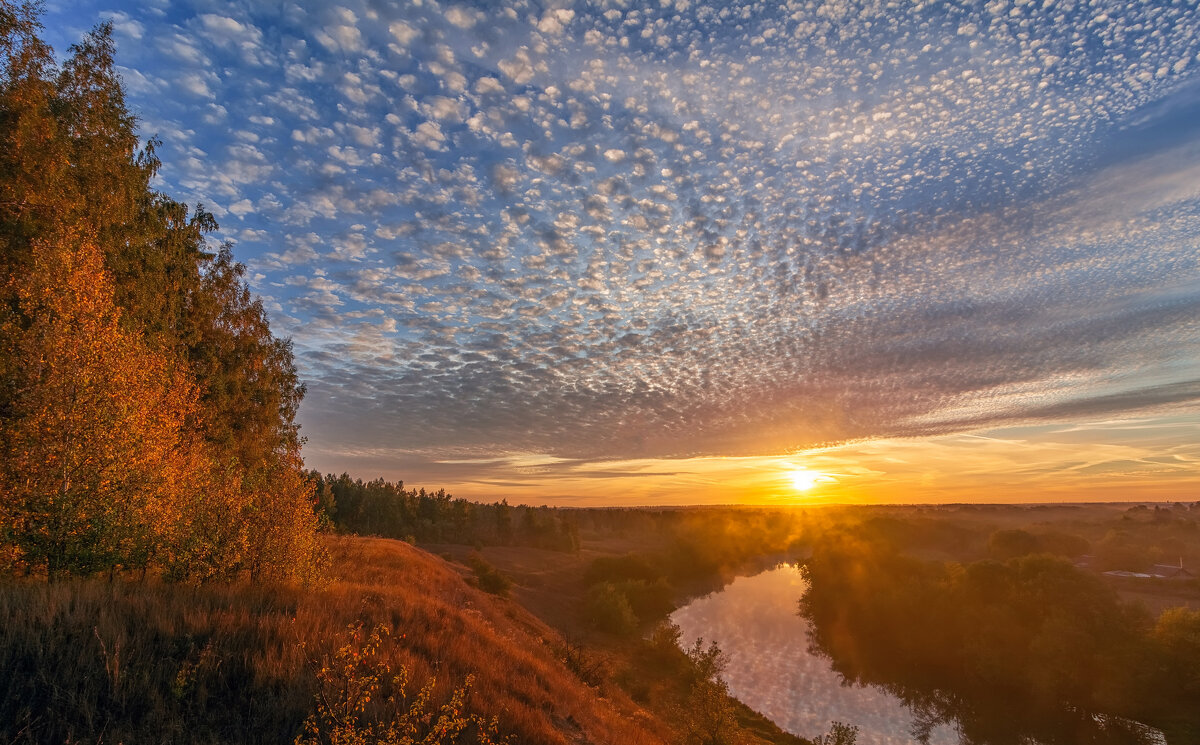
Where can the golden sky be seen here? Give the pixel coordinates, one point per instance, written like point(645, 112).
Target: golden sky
point(1146, 459)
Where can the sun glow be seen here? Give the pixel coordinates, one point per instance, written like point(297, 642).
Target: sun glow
point(803, 479)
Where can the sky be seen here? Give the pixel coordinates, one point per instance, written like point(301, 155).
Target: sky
point(671, 252)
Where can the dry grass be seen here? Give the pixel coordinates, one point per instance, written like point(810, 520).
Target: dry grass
point(90, 661)
point(552, 585)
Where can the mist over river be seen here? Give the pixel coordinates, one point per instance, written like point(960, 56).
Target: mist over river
point(755, 622)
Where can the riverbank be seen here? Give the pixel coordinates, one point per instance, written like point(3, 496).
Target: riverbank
point(554, 587)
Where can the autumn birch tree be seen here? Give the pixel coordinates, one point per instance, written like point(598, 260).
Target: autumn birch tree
point(146, 410)
point(95, 422)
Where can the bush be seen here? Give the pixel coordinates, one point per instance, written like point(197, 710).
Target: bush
point(839, 734)
point(649, 600)
point(587, 667)
point(708, 715)
point(608, 610)
point(664, 643)
point(361, 702)
point(489, 577)
point(707, 662)
point(619, 569)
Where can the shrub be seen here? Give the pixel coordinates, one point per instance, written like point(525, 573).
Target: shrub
point(620, 568)
point(587, 667)
point(608, 610)
point(708, 715)
point(839, 734)
point(489, 577)
point(649, 600)
point(707, 662)
point(664, 643)
point(361, 702)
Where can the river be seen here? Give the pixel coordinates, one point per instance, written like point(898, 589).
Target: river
point(754, 620)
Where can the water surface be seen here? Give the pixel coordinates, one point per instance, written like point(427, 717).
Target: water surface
point(754, 620)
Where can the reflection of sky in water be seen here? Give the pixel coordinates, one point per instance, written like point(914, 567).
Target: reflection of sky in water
point(754, 620)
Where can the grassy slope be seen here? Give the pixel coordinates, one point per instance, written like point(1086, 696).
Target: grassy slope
point(551, 585)
point(113, 662)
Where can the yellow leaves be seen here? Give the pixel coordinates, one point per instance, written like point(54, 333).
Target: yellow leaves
point(94, 419)
point(359, 704)
point(101, 462)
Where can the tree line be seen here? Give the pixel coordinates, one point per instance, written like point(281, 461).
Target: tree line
point(387, 509)
point(969, 644)
point(147, 413)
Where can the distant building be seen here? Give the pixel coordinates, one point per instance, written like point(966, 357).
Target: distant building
point(1158, 571)
point(1123, 573)
point(1170, 571)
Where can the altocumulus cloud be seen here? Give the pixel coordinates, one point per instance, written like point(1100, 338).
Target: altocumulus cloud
point(613, 231)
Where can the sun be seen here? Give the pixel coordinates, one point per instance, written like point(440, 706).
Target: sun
point(803, 479)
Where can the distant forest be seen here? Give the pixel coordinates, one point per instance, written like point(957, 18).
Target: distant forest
point(387, 509)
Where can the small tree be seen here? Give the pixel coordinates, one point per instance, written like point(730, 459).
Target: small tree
point(839, 734)
point(608, 610)
point(489, 577)
point(707, 662)
point(93, 443)
point(664, 642)
point(708, 716)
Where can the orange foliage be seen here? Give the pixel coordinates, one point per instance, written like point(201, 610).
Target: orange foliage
point(102, 466)
point(90, 466)
point(121, 338)
point(282, 521)
point(461, 630)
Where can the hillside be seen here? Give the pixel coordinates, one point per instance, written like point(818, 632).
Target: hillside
point(151, 662)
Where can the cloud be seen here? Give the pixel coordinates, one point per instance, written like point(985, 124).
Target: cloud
point(196, 84)
point(553, 21)
point(223, 30)
point(429, 135)
point(127, 28)
point(519, 68)
point(403, 32)
point(460, 17)
point(342, 34)
point(679, 229)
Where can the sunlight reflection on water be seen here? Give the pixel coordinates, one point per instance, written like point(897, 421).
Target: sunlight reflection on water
point(755, 622)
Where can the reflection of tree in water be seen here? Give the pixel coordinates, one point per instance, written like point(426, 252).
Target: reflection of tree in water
point(1002, 723)
point(1029, 650)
